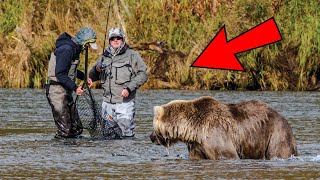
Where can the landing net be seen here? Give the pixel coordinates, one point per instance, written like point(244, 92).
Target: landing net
point(90, 115)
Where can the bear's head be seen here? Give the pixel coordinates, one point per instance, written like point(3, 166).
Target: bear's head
point(181, 120)
point(159, 136)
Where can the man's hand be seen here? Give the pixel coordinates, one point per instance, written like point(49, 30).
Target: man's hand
point(89, 82)
point(79, 91)
point(125, 93)
point(98, 67)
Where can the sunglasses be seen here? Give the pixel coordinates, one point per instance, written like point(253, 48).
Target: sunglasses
point(115, 38)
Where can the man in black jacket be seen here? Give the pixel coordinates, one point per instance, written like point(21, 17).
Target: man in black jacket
point(62, 73)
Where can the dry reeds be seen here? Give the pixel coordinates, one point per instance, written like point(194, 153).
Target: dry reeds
point(185, 26)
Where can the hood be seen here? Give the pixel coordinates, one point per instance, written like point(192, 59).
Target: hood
point(65, 38)
point(117, 32)
point(108, 52)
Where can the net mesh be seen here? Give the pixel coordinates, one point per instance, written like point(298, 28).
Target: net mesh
point(90, 116)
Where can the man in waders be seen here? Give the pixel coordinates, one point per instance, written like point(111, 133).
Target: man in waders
point(122, 71)
point(62, 73)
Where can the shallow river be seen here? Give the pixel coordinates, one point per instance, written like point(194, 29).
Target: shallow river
point(28, 150)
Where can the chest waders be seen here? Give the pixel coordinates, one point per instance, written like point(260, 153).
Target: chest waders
point(60, 99)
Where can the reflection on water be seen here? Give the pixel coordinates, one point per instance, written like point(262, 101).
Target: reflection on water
point(27, 147)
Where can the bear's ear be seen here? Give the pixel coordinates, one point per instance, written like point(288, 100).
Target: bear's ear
point(158, 111)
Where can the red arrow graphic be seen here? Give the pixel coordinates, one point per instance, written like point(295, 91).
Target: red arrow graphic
point(220, 53)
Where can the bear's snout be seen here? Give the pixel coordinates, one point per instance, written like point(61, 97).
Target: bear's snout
point(154, 138)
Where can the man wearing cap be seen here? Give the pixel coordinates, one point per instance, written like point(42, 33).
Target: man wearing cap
point(62, 73)
point(121, 71)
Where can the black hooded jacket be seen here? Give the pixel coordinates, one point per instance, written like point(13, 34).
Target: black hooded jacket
point(66, 52)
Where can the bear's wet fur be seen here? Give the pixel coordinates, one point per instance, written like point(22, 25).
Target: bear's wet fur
point(214, 130)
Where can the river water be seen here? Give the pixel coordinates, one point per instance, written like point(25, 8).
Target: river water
point(28, 150)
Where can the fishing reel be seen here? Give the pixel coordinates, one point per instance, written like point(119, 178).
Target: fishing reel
point(103, 66)
point(105, 73)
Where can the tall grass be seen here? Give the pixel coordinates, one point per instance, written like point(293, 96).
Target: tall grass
point(183, 26)
point(11, 12)
point(300, 26)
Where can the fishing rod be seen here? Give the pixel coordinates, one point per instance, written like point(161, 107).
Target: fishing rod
point(104, 45)
point(86, 66)
point(105, 34)
point(102, 74)
point(85, 83)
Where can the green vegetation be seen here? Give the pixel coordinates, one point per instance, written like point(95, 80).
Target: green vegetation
point(28, 30)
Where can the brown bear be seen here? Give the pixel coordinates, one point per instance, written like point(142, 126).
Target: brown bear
point(214, 130)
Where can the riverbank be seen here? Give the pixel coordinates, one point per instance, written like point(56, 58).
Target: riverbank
point(169, 35)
